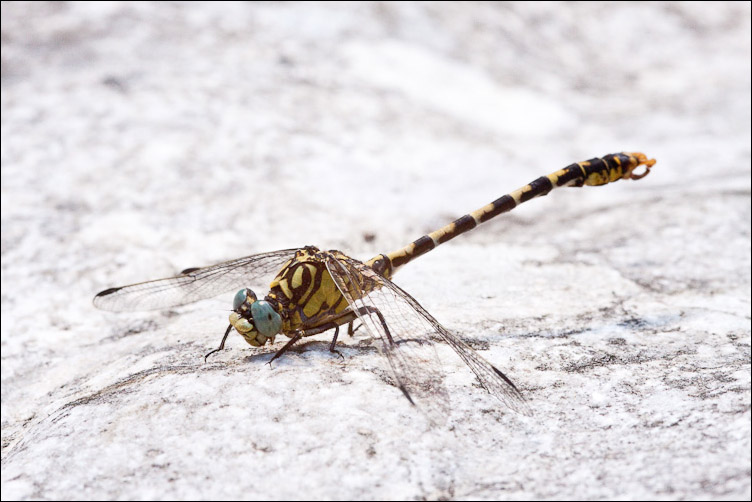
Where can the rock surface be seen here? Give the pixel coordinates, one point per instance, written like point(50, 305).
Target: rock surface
point(141, 139)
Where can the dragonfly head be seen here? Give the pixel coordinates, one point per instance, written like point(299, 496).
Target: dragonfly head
point(255, 320)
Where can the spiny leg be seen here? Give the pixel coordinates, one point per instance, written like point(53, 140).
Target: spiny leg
point(309, 332)
point(350, 330)
point(367, 310)
point(297, 336)
point(221, 345)
point(334, 342)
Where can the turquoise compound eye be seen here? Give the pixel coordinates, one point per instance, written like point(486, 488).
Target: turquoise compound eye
point(265, 318)
point(240, 298)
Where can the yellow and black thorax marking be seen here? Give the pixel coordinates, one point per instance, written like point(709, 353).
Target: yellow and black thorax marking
point(305, 291)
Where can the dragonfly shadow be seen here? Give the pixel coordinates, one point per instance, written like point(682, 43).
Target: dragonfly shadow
point(313, 350)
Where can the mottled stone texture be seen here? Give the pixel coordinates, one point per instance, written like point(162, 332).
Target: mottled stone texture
point(141, 139)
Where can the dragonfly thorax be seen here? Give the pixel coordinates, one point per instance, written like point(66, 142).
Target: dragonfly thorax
point(255, 320)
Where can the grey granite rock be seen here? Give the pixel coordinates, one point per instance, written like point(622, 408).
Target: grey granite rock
point(140, 139)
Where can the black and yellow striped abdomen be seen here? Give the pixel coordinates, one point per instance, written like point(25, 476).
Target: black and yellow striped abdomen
point(593, 172)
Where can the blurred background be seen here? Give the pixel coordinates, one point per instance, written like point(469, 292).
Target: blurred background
point(139, 139)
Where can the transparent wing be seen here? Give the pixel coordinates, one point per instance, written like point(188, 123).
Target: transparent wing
point(405, 338)
point(406, 330)
point(194, 284)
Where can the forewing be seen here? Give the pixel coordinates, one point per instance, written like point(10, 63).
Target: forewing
point(405, 337)
point(408, 321)
point(194, 284)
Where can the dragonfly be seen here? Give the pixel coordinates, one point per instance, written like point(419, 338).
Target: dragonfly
point(314, 291)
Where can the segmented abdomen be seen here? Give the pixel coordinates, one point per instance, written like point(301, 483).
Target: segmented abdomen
point(597, 171)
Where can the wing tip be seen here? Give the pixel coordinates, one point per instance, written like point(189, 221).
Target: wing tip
point(106, 292)
point(100, 298)
point(505, 378)
point(523, 409)
point(520, 403)
point(407, 394)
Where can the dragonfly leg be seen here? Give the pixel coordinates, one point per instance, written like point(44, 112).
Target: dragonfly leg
point(367, 310)
point(297, 336)
point(334, 342)
point(326, 327)
point(221, 345)
point(310, 332)
point(350, 330)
